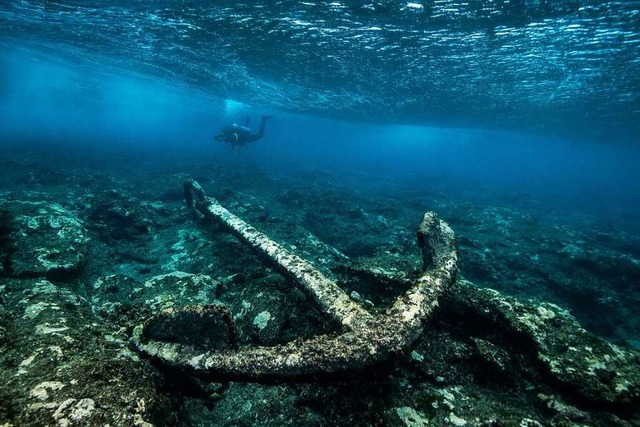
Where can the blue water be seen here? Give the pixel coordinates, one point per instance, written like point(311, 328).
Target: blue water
point(56, 101)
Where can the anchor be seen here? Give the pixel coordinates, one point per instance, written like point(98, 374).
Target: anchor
point(362, 340)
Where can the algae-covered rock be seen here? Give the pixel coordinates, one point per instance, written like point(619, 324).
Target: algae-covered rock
point(44, 239)
point(410, 417)
point(158, 292)
point(588, 368)
point(247, 404)
point(209, 327)
point(380, 278)
point(59, 365)
point(270, 311)
point(492, 358)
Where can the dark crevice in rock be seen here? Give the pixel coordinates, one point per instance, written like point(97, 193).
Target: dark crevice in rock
point(6, 229)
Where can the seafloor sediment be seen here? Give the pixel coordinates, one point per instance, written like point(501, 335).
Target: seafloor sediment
point(88, 253)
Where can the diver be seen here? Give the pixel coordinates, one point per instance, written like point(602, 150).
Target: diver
point(239, 136)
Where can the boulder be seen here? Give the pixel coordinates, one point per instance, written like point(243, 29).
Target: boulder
point(62, 366)
point(587, 368)
point(44, 239)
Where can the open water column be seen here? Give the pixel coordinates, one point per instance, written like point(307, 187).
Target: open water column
point(320, 213)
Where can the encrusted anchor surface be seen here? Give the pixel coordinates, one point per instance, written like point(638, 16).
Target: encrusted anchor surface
point(365, 338)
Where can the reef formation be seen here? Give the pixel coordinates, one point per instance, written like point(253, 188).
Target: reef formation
point(238, 344)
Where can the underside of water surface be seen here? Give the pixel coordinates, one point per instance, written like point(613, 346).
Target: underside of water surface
point(567, 67)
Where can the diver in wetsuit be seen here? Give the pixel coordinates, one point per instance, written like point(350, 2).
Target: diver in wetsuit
point(240, 136)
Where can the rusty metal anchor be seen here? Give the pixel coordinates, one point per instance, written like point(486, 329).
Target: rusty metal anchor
point(365, 338)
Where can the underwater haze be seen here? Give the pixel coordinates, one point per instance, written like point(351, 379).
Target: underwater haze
point(516, 121)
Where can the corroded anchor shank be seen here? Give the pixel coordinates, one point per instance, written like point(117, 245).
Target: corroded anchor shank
point(329, 298)
point(365, 338)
